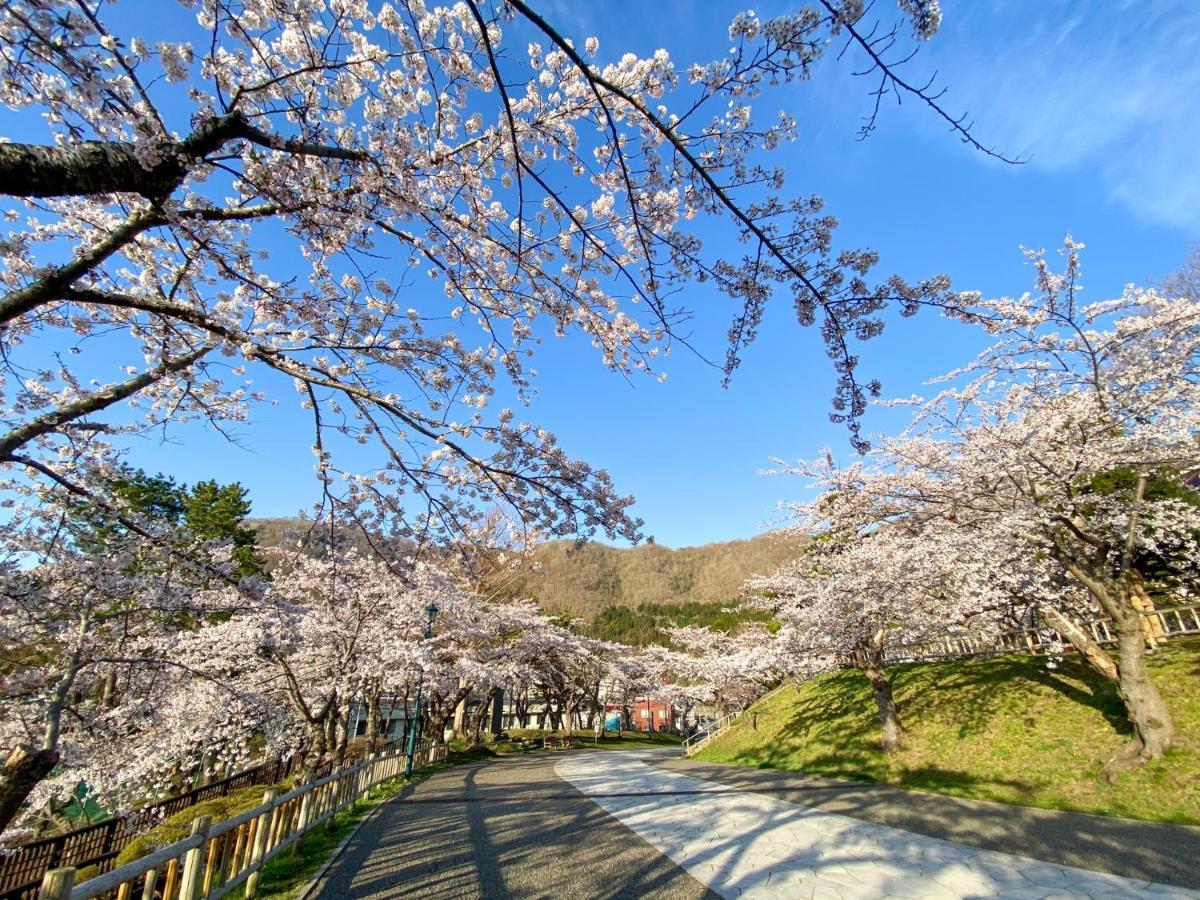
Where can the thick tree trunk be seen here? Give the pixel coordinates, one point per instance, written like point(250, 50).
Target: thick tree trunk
point(1153, 728)
point(556, 715)
point(521, 703)
point(19, 775)
point(314, 754)
point(871, 665)
point(374, 716)
point(460, 711)
point(341, 731)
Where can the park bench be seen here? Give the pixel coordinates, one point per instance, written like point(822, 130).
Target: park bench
point(558, 743)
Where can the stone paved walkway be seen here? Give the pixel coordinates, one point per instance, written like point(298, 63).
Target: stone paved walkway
point(746, 844)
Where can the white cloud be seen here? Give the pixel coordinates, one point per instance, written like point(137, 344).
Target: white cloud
point(1111, 87)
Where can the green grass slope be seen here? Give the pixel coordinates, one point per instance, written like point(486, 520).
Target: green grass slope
point(1006, 729)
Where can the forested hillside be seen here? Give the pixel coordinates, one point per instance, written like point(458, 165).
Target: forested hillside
point(581, 581)
point(584, 580)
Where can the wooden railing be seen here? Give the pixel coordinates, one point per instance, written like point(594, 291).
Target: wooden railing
point(701, 738)
point(22, 867)
point(221, 857)
point(1159, 624)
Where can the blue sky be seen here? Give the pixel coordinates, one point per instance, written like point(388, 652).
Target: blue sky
point(1102, 98)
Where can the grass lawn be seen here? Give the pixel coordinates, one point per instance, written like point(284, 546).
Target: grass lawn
point(1006, 729)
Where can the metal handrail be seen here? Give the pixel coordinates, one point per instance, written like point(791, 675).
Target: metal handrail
point(701, 738)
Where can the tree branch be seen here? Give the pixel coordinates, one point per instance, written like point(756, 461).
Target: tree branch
point(94, 402)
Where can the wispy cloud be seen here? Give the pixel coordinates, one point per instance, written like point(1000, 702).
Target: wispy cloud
point(1111, 87)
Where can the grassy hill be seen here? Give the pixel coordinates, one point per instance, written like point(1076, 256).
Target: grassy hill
point(1006, 729)
point(582, 581)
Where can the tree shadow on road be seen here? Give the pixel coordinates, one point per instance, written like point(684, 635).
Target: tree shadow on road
point(502, 829)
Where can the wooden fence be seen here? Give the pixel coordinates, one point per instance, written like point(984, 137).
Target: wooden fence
point(218, 858)
point(1160, 624)
point(22, 867)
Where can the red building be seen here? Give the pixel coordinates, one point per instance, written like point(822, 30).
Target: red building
point(651, 715)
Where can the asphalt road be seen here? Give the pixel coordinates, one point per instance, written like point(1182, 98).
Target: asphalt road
point(501, 829)
point(512, 828)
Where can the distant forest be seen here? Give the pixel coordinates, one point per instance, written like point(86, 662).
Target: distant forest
point(647, 623)
point(583, 581)
point(627, 592)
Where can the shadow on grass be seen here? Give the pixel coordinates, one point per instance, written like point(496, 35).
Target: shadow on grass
point(979, 690)
point(833, 730)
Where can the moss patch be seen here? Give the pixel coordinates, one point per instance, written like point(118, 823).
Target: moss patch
point(1006, 729)
point(179, 826)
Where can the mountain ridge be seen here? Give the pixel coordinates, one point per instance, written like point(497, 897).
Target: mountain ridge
point(581, 580)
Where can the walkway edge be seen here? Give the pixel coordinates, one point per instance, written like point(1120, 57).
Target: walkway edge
point(306, 890)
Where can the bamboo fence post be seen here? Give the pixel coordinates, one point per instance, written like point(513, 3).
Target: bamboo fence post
point(57, 884)
point(261, 836)
point(212, 863)
point(193, 862)
point(148, 890)
point(305, 811)
point(169, 884)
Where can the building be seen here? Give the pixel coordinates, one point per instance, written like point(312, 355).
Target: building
point(651, 715)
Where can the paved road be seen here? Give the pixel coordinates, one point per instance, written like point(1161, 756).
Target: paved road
point(502, 829)
point(748, 843)
point(624, 824)
point(1151, 851)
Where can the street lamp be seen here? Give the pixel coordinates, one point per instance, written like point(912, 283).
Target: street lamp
point(431, 612)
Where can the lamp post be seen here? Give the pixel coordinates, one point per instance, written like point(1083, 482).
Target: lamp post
point(649, 716)
point(414, 726)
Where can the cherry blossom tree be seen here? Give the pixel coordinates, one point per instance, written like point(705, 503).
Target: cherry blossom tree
point(860, 598)
point(387, 206)
point(325, 626)
point(87, 637)
point(1022, 454)
point(715, 668)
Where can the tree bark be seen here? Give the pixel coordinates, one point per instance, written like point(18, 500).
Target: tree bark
point(1153, 728)
point(1077, 637)
point(870, 663)
point(20, 774)
point(341, 731)
point(374, 715)
point(314, 753)
point(99, 167)
point(460, 712)
point(1140, 598)
point(521, 705)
